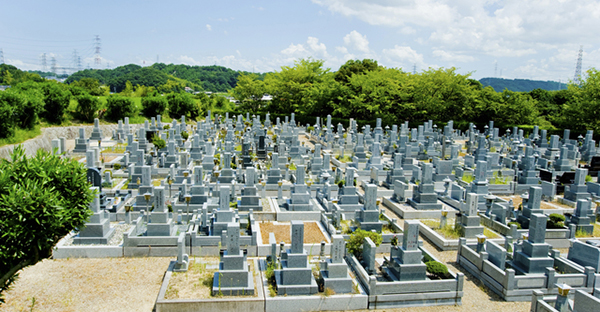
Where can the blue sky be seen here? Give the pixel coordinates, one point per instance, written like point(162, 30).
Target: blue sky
point(537, 39)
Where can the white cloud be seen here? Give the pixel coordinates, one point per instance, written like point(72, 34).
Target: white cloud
point(342, 50)
point(357, 41)
point(318, 48)
point(452, 57)
point(208, 27)
point(294, 50)
point(404, 55)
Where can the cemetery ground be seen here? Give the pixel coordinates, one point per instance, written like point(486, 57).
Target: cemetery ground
point(132, 284)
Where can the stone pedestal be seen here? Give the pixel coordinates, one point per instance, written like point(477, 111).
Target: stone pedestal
point(233, 277)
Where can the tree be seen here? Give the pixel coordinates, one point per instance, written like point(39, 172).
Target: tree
point(152, 106)
point(118, 107)
point(42, 199)
point(355, 67)
point(249, 92)
point(182, 104)
point(87, 106)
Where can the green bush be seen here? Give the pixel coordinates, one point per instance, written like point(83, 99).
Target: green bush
point(56, 101)
point(158, 142)
point(119, 107)
point(555, 221)
point(154, 105)
point(355, 243)
point(87, 106)
point(117, 166)
point(42, 199)
point(437, 269)
point(7, 126)
point(185, 135)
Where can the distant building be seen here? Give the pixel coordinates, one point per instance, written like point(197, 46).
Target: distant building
point(267, 97)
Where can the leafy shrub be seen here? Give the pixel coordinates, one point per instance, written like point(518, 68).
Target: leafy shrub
point(185, 135)
point(117, 166)
point(158, 142)
point(437, 269)
point(154, 105)
point(49, 199)
point(119, 107)
point(355, 243)
point(87, 106)
point(555, 221)
point(56, 101)
point(7, 126)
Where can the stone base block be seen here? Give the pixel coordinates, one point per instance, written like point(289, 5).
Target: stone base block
point(233, 283)
point(295, 289)
point(338, 285)
point(94, 240)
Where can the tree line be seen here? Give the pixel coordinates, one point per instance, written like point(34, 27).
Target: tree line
point(365, 90)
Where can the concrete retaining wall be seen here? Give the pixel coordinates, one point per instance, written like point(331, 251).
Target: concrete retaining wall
point(44, 141)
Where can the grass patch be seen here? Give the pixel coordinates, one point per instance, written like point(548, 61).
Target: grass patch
point(489, 233)
point(468, 178)
point(115, 149)
point(21, 135)
point(448, 231)
point(596, 232)
point(195, 283)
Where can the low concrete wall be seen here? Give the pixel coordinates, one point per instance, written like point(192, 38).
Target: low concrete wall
point(44, 140)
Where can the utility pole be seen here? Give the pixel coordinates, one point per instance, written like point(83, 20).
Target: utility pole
point(577, 78)
point(53, 66)
point(97, 49)
point(44, 65)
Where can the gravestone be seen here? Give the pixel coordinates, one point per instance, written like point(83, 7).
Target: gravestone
point(578, 190)
point(347, 196)
point(469, 220)
point(368, 255)
point(295, 276)
point(334, 271)
point(233, 277)
point(81, 143)
point(533, 255)
point(425, 197)
point(96, 132)
point(368, 217)
point(160, 222)
point(97, 230)
point(300, 193)
point(405, 262)
point(250, 198)
point(583, 218)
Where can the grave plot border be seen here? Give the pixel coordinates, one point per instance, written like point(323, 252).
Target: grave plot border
point(398, 294)
point(233, 303)
point(512, 287)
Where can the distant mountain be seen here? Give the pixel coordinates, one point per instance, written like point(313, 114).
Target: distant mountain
point(521, 85)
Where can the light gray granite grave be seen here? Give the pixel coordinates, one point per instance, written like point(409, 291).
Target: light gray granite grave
point(97, 230)
point(405, 262)
point(585, 254)
point(368, 217)
point(295, 276)
point(425, 197)
point(469, 220)
point(334, 271)
point(532, 255)
point(233, 277)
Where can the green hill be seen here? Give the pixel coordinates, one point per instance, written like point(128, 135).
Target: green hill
point(521, 85)
point(209, 78)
